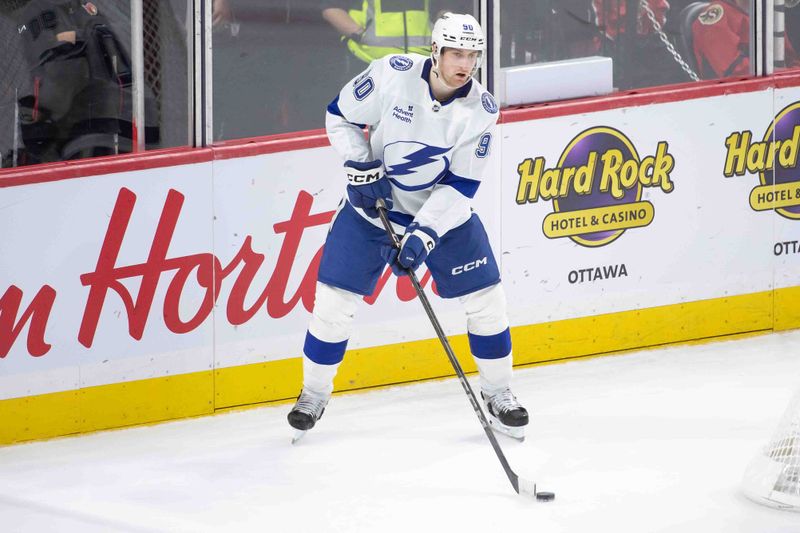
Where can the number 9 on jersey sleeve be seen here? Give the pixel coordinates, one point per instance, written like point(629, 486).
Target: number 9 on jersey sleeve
point(483, 145)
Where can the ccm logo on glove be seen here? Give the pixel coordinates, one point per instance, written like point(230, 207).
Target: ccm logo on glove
point(366, 186)
point(363, 177)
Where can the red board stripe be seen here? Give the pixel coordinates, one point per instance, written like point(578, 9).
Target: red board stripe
point(83, 168)
point(271, 144)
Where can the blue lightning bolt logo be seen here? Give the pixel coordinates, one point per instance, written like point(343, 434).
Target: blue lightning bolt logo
point(420, 158)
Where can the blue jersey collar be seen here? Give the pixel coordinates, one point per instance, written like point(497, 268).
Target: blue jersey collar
point(460, 93)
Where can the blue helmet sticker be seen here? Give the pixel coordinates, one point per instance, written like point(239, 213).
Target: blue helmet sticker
point(400, 63)
point(488, 103)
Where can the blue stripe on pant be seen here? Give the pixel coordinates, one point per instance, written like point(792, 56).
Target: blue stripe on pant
point(324, 353)
point(490, 346)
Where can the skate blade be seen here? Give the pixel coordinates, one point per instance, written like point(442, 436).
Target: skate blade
point(516, 433)
point(298, 434)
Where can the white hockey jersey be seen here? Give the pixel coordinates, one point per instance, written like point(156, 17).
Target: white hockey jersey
point(434, 153)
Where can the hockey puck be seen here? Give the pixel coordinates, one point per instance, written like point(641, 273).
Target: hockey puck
point(545, 496)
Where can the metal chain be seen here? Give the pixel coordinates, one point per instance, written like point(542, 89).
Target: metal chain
point(664, 39)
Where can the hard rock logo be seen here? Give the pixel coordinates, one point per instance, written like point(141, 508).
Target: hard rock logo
point(596, 187)
point(774, 159)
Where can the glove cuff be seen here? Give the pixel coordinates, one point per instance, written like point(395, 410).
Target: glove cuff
point(366, 165)
point(428, 237)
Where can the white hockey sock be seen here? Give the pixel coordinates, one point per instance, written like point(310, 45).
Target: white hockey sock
point(318, 378)
point(495, 374)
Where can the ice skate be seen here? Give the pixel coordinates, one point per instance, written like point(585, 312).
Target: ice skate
point(306, 411)
point(505, 413)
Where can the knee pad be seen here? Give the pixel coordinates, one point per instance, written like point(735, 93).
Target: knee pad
point(486, 311)
point(334, 311)
point(487, 323)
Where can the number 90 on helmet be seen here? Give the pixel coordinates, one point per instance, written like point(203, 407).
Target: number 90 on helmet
point(454, 30)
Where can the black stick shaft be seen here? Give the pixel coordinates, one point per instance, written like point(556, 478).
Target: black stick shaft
point(512, 477)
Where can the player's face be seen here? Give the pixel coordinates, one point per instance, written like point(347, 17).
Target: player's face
point(456, 65)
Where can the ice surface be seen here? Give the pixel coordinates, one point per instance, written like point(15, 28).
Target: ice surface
point(644, 442)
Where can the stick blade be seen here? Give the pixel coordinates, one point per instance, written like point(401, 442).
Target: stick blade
point(526, 487)
point(298, 434)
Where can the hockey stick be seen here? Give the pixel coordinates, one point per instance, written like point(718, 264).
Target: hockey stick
point(521, 485)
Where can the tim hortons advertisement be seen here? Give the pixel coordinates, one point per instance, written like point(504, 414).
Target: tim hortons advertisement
point(106, 279)
point(616, 210)
point(145, 274)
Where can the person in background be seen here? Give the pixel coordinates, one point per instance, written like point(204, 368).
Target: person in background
point(371, 29)
point(222, 13)
point(628, 31)
point(721, 40)
point(74, 93)
point(633, 35)
point(548, 30)
point(792, 21)
point(78, 104)
point(615, 19)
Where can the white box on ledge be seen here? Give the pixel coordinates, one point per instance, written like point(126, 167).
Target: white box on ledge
point(556, 80)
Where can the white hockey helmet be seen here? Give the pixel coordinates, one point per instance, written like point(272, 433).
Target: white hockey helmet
point(454, 30)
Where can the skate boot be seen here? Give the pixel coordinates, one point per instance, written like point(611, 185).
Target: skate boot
point(505, 413)
point(306, 411)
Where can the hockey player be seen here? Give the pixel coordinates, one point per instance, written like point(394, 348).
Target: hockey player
point(431, 128)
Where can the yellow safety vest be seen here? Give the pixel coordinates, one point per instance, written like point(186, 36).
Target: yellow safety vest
point(391, 32)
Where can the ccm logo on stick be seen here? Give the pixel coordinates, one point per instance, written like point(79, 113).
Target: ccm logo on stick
point(363, 178)
point(469, 266)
